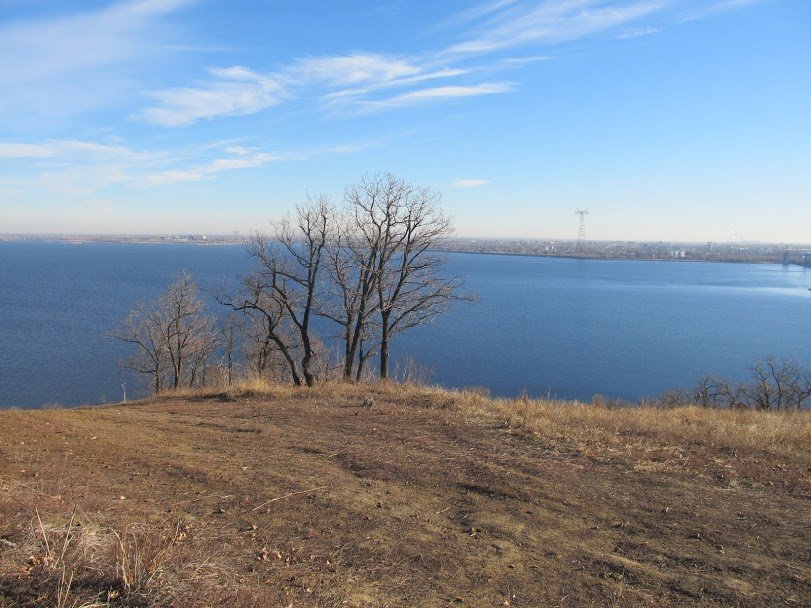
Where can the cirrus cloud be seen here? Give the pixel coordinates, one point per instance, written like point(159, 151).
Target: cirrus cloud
point(470, 183)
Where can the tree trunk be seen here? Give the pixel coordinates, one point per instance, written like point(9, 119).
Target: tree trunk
point(309, 377)
point(361, 362)
point(349, 356)
point(291, 363)
point(384, 346)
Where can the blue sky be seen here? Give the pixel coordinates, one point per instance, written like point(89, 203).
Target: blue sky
point(667, 119)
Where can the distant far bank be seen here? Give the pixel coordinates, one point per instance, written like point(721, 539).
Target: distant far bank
point(146, 239)
point(742, 252)
point(727, 251)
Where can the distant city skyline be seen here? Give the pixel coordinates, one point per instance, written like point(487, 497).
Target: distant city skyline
point(674, 120)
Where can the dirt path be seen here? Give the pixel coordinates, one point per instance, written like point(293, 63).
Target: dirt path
point(322, 502)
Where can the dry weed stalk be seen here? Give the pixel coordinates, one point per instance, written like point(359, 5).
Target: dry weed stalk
point(80, 564)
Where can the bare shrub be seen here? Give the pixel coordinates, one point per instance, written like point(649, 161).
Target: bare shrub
point(675, 397)
point(478, 391)
point(410, 371)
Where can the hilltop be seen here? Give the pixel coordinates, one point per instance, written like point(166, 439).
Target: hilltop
point(389, 495)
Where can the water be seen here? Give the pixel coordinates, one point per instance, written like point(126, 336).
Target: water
point(565, 327)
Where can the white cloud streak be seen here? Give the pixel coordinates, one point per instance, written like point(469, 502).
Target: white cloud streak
point(87, 58)
point(362, 82)
point(448, 92)
point(705, 10)
point(551, 22)
point(638, 33)
point(470, 183)
point(202, 172)
point(82, 167)
point(352, 69)
point(12, 150)
point(79, 59)
point(235, 91)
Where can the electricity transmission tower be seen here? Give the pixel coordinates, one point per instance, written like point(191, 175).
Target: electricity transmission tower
point(581, 230)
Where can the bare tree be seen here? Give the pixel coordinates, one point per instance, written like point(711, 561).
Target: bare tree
point(142, 327)
point(353, 264)
point(229, 332)
point(267, 317)
point(174, 336)
point(778, 385)
point(675, 397)
point(281, 293)
point(369, 269)
point(404, 223)
point(713, 391)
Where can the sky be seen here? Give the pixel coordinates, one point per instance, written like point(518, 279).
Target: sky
point(666, 119)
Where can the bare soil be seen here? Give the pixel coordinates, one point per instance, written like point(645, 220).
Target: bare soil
point(313, 499)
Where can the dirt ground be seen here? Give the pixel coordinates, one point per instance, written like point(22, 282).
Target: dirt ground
point(314, 499)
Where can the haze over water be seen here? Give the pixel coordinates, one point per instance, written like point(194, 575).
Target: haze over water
point(568, 327)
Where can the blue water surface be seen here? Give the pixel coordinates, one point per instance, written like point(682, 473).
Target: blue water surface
point(566, 327)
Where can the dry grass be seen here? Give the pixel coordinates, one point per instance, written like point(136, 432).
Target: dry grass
point(400, 495)
point(734, 429)
point(572, 422)
point(79, 563)
point(599, 426)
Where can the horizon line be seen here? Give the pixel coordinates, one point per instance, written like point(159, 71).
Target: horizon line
point(239, 235)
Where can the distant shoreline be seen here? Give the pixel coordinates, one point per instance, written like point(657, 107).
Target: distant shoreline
point(598, 258)
point(647, 251)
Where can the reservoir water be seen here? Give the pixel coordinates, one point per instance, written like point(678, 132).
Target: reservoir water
point(566, 327)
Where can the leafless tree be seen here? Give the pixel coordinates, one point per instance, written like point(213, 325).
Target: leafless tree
point(369, 268)
point(174, 336)
point(266, 327)
point(281, 293)
point(351, 297)
point(142, 327)
point(404, 223)
point(675, 397)
point(778, 385)
point(229, 332)
point(713, 391)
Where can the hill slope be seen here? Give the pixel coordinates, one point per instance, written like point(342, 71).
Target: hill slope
point(427, 498)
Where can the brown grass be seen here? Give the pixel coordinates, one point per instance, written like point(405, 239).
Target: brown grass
point(265, 495)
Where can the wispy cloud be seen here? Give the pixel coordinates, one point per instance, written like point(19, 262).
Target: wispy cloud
point(202, 172)
point(525, 60)
point(87, 58)
point(710, 9)
point(233, 91)
point(352, 69)
point(470, 183)
point(473, 14)
point(13, 150)
point(549, 22)
point(82, 168)
point(357, 92)
point(448, 92)
point(335, 81)
point(361, 82)
point(81, 41)
point(638, 33)
point(78, 59)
